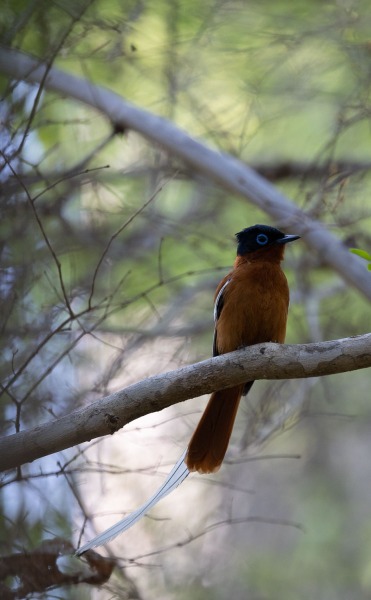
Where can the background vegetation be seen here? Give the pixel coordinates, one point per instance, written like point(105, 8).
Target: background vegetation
point(110, 252)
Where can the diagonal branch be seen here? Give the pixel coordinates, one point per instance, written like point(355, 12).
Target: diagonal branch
point(108, 415)
point(223, 169)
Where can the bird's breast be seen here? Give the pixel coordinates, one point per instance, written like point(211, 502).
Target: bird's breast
point(255, 306)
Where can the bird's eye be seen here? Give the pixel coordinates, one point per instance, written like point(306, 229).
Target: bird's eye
point(262, 239)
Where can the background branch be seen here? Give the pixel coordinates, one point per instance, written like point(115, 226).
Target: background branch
point(223, 169)
point(263, 361)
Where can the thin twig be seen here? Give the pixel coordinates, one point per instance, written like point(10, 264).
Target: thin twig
point(117, 233)
point(43, 232)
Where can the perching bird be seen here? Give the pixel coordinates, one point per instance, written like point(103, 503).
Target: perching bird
point(251, 305)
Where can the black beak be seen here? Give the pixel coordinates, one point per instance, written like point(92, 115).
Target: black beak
point(288, 238)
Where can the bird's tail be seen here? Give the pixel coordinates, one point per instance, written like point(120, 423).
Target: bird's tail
point(210, 441)
point(178, 474)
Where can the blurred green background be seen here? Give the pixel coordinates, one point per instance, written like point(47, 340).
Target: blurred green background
point(284, 86)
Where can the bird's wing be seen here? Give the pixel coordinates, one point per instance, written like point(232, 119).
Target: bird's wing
point(175, 478)
point(218, 306)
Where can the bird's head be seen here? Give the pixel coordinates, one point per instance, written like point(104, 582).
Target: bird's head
point(258, 237)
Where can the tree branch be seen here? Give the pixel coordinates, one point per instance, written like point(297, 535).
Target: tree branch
point(223, 169)
point(263, 361)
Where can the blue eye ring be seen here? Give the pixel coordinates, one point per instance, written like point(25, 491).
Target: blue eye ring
point(261, 239)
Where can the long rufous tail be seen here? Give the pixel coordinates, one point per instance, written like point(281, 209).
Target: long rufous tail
point(210, 441)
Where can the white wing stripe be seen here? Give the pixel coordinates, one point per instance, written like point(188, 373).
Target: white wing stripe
point(217, 300)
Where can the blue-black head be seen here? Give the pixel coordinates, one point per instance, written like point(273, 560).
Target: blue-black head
point(257, 237)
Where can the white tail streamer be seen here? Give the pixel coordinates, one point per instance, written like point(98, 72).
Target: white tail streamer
point(175, 478)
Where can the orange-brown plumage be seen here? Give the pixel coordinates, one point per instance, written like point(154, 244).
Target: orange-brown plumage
point(254, 305)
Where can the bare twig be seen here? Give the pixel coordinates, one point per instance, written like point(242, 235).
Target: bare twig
point(209, 528)
point(75, 18)
point(117, 233)
point(45, 236)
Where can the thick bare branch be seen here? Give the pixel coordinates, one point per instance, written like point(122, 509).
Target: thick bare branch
point(223, 169)
point(263, 361)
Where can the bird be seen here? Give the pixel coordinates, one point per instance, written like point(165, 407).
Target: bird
point(250, 307)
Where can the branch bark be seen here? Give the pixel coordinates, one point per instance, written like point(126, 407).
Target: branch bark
point(223, 169)
point(106, 416)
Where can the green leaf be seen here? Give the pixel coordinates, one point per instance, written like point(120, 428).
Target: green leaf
point(361, 253)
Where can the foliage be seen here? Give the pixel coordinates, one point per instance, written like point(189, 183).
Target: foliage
point(363, 254)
